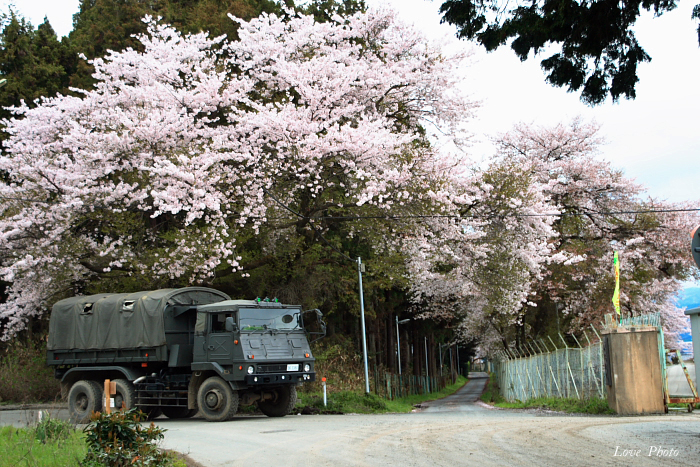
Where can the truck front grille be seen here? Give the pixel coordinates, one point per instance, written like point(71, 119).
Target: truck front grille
point(272, 368)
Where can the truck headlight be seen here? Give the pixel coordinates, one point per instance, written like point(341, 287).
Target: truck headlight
point(307, 367)
point(251, 370)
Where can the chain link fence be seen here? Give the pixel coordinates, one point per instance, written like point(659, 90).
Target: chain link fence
point(538, 371)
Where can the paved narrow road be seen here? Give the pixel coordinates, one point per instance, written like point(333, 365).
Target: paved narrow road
point(454, 432)
point(463, 400)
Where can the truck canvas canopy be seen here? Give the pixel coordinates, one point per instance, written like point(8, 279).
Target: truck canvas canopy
point(120, 321)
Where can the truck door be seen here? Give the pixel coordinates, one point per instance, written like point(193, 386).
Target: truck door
point(219, 346)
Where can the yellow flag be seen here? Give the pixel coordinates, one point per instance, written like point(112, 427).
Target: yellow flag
point(616, 295)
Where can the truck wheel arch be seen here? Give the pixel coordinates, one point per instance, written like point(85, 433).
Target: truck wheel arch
point(198, 377)
point(97, 373)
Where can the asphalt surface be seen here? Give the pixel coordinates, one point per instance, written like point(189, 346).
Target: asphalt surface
point(455, 431)
point(21, 416)
point(461, 401)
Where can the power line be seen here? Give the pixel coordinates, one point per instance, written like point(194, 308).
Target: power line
point(479, 216)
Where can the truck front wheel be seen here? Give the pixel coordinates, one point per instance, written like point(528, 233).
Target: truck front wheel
point(84, 398)
point(179, 412)
point(283, 402)
point(216, 400)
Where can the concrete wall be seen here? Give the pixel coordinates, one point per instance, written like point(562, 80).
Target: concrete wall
point(635, 371)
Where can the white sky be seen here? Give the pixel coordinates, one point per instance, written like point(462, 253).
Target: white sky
point(654, 138)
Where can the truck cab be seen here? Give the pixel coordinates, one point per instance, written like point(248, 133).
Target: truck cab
point(259, 348)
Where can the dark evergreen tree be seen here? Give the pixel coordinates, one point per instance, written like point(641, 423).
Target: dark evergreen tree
point(34, 62)
point(599, 51)
point(324, 10)
point(102, 25)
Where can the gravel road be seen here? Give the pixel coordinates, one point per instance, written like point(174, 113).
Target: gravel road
point(453, 432)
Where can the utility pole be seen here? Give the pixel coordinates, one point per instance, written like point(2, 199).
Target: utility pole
point(360, 270)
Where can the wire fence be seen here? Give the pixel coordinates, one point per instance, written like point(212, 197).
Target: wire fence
point(539, 371)
point(544, 369)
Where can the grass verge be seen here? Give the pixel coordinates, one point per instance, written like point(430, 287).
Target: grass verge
point(24, 448)
point(56, 443)
point(341, 402)
point(589, 406)
point(492, 395)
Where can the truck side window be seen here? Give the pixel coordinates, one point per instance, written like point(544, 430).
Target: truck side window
point(218, 323)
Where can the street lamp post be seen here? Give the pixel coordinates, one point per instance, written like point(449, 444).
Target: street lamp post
point(398, 339)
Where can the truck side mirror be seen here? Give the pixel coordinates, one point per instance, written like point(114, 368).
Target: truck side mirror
point(230, 324)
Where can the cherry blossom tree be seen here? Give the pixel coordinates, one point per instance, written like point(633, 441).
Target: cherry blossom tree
point(185, 149)
point(535, 259)
point(601, 211)
point(479, 276)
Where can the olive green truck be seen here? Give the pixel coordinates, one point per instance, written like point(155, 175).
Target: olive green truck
point(180, 351)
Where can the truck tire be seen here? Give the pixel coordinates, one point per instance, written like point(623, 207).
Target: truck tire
point(283, 403)
point(179, 412)
point(84, 398)
point(151, 412)
point(216, 400)
point(126, 394)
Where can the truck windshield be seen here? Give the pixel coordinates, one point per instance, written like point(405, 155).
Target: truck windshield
point(261, 319)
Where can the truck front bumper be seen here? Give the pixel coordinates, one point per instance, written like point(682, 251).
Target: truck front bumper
point(279, 378)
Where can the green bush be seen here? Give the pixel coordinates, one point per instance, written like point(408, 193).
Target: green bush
point(119, 440)
point(52, 430)
point(24, 376)
point(339, 362)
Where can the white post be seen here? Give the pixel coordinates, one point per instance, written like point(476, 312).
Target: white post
point(362, 319)
point(325, 399)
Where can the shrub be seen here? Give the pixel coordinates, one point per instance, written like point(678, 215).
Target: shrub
point(119, 440)
point(24, 376)
point(492, 392)
point(339, 362)
point(52, 430)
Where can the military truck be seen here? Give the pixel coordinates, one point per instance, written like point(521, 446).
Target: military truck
point(179, 351)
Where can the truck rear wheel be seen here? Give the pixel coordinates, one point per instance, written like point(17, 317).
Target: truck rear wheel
point(179, 412)
point(84, 398)
point(216, 400)
point(125, 396)
point(283, 403)
point(151, 412)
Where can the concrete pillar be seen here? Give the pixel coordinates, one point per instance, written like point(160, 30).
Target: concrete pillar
point(633, 370)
